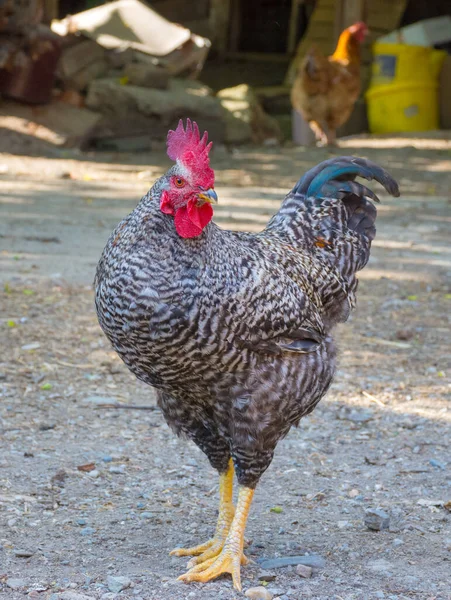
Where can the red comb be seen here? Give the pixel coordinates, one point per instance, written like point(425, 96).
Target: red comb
point(181, 140)
point(189, 148)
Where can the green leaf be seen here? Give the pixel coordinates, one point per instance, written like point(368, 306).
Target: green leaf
point(46, 386)
point(276, 509)
point(7, 288)
point(28, 292)
point(412, 297)
point(447, 296)
point(11, 323)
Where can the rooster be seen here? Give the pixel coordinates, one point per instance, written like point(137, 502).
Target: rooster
point(326, 88)
point(234, 329)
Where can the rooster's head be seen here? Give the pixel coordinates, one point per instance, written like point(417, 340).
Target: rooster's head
point(358, 31)
point(188, 193)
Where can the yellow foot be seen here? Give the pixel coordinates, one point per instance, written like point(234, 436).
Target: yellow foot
point(231, 557)
point(227, 561)
point(226, 512)
point(213, 547)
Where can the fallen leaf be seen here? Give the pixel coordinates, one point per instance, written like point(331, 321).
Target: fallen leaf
point(276, 509)
point(87, 467)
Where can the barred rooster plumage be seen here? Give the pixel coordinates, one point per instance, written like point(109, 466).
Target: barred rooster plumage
point(234, 329)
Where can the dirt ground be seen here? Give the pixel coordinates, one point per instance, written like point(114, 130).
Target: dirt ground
point(90, 493)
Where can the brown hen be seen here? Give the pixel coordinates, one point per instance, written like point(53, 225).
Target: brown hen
point(326, 88)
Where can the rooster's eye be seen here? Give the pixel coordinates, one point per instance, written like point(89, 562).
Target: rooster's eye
point(179, 182)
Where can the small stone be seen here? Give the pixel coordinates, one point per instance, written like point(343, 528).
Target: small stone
point(69, 595)
point(380, 565)
point(88, 531)
point(405, 334)
point(267, 576)
point(356, 416)
point(94, 474)
point(117, 584)
point(314, 560)
point(108, 596)
point(32, 346)
point(81, 522)
point(15, 584)
point(259, 593)
point(379, 594)
point(303, 571)
point(376, 519)
point(343, 524)
point(398, 542)
point(47, 426)
point(353, 493)
point(275, 591)
point(23, 553)
point(117, 469)
point(107, 459)
point(436, 464)
point(146, 515)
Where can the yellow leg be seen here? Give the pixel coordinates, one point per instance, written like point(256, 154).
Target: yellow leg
point(226, 511)
point(231, 557)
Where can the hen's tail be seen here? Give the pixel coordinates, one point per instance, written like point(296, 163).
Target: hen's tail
point(331, 176)
point(335, 178)
point(330, 217)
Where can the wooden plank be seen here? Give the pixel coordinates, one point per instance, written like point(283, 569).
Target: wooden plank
point(292, 26)
point(321, 26)
point(180, 11)
point(264, 56)
point(220, 16)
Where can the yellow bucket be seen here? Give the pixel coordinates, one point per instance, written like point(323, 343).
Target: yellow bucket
point(395, 63)
point(403, 107)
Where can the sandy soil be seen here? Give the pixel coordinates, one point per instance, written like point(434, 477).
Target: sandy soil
point(89, 493)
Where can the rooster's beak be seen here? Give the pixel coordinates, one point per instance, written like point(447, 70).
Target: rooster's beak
point(209, 196)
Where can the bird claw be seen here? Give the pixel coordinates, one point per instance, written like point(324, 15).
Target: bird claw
point(213, 549)
point(227, 561)
point(194, 550)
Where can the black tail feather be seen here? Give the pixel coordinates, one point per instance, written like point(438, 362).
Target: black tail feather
point(317, 181)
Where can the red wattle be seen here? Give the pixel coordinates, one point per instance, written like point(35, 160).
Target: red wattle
point(184, 226)
point(200, 215)
point(165, 204)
